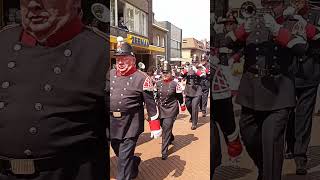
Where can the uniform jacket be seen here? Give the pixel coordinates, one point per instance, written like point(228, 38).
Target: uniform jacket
point(52, 96)
point(128, 95)
point(193, 85)
point(264, 52)
point(307, 66)
point(168, 94)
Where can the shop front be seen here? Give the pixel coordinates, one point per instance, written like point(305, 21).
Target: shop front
point(142, 49)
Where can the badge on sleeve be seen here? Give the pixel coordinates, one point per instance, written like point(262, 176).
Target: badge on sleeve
point(147, 85)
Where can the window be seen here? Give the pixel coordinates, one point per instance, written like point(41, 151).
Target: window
point(136, 20)
point(162, 42)
point(158, 40)
point(112, 13)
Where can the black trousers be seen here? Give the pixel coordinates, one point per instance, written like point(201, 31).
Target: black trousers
point(215, 148)
point(167, 125)
point(223, 114)
point(263, 135)
point(298, 133)
point(204, 99)
point(124, 150)
point(192, 104)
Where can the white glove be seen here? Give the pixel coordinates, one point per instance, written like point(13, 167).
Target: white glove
point(248, 25)
point(156, 134)
point(225, 50)
point(289, 11)
point(272, 24)
point(194, 68)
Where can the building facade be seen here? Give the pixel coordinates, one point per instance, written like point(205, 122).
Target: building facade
point(191, 47)
point(174, 42)
point(160, 37)
point(132, 19)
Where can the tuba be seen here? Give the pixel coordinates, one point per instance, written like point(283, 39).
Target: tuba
point(100, 12)
point(249, 10)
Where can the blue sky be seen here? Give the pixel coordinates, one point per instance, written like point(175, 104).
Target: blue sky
point(192, 16)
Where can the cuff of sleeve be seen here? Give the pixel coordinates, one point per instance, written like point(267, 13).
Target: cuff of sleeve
point(154, 125)
point(295, 41)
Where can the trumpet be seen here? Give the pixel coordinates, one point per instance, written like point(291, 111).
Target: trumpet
point(249, 10)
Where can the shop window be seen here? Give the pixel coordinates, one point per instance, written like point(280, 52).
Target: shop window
point(162, 42)
point(113, 13)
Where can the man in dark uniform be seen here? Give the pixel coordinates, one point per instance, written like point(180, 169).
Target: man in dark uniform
point(307, 78)
point(168, 97)
point(222, 111)
point(52, 98)
point(130, 89)
point(193, 90)
point(266, 91)
point(205, 84)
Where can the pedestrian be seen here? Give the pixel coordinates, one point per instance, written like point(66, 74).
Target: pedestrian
point(193, 90)
point(130, 90)
point(266, 92)
point(169, 97)
point(307, 79)
point(52, 98)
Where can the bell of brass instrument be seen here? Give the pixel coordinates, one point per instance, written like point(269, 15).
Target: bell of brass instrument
point(249, 10)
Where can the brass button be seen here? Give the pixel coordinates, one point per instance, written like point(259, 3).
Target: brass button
point(276, 48)
point(125, 89)
point(257, 40)
point(47, 87)
point(17, 47)
point(257, 57)
point(11, 64)
point(118, 109)
point(258, 26)
point(67, 53)
point(57, 70)
point(121, 95)
point(300, 59)
point(27, 152)
point(257, 49)
point(5, 85)
point(274, 57)
point(38, 106)
point(33, 130)
point(258, 33)
point(256, 75)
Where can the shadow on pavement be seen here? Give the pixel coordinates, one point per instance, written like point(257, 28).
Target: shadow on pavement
point(181, 141)
point(313, 157)
point(310, 176)
point(173, 167)
point(144, 138)
point(203, 120)
point(182, 116)
point(230, 172)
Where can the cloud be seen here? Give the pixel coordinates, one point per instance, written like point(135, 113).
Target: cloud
point(192, 16)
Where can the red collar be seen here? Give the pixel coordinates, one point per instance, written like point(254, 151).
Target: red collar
point(131, 71)
point(64, 34)
point(168, 80)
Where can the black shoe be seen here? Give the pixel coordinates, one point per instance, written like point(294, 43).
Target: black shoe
point(301, 166)
point(164, 157)
point(135, 171)
point(204, 114)
point(171, 139)
point(193, 127)
point(288, 155)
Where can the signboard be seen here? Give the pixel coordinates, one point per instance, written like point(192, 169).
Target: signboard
point(138, 41)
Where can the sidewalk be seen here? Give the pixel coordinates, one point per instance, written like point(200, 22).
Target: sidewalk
point(189, 154)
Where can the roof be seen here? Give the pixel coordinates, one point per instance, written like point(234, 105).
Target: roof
point(159, 27)
point(192, 43)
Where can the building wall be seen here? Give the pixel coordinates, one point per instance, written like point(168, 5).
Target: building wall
point(186, 53)
point(141, 4)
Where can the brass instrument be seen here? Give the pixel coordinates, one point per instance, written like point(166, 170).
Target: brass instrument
point(249, 10)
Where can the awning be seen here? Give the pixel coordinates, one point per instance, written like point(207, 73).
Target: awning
point(181, 59)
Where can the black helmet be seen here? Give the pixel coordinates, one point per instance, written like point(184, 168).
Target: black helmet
point(166, 67)
point(123, 48)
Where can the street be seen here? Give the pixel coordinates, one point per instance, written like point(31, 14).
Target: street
point(188, 156)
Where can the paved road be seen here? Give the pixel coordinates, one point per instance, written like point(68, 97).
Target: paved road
point(189, 154)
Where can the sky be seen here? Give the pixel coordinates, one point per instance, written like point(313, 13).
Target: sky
point(192, 16)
